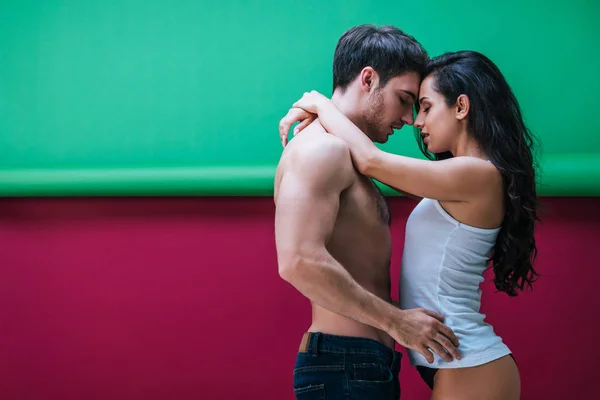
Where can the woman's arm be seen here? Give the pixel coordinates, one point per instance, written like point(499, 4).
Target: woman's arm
point(304, 118)
point(454, 179)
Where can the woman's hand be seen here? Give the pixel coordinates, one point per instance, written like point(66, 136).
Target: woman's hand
point(293, 116)
point(312, 102)
point(305, 111)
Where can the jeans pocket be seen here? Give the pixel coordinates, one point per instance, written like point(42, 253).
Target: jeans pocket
point(310, 380)
point(310, 392)
point(373, 381)
point(371, 373)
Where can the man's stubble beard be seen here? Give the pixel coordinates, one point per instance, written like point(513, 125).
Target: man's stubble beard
point(373, 117)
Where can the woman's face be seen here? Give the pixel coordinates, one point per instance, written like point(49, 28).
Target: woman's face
point(438, 122)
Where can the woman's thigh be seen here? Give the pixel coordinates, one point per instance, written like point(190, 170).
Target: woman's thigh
point(496, 380)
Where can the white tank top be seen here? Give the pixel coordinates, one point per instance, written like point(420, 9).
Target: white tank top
point(442, 267)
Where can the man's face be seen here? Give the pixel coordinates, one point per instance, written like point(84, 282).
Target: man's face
point(391, 106)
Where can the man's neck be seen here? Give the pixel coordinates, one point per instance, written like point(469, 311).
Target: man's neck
point(347, 103)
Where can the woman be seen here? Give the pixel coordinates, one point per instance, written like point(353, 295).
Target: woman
point(478, 205)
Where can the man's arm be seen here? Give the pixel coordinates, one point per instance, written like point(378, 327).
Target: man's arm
point(307, 204)
point(306, 210)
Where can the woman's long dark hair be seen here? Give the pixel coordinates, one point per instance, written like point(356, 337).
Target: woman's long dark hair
point(496, 123)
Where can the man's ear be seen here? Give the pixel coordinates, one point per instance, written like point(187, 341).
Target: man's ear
point(368, 79)
point(462, 106)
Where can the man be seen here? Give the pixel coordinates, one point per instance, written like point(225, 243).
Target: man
point(332, 229)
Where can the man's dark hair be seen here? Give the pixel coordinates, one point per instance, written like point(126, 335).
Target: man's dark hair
point(387, 49)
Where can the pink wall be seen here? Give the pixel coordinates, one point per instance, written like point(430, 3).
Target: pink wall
point(179, 298)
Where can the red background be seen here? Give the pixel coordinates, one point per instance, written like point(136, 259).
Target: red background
point(179, 298)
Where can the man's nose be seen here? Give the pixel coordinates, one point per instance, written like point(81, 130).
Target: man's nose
point(408, 118)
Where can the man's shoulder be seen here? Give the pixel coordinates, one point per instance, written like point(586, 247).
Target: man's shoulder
point(318, 149)
point(318, 157)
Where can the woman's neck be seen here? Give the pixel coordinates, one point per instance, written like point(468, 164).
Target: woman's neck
point(467, 146)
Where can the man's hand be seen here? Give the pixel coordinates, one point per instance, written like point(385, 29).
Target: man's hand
point(420, 329)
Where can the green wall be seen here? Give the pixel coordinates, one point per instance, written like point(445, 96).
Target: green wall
point(144, 98)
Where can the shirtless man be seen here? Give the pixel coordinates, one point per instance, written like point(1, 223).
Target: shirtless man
point(332, 230)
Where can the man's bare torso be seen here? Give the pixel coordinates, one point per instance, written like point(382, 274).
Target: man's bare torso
point(360, 242)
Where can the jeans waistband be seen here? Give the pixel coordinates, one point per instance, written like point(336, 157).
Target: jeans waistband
point(318, 342)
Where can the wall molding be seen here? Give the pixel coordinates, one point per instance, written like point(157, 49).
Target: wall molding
point(561, 175)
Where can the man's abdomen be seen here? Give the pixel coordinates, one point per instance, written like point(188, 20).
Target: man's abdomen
point(326, 321)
